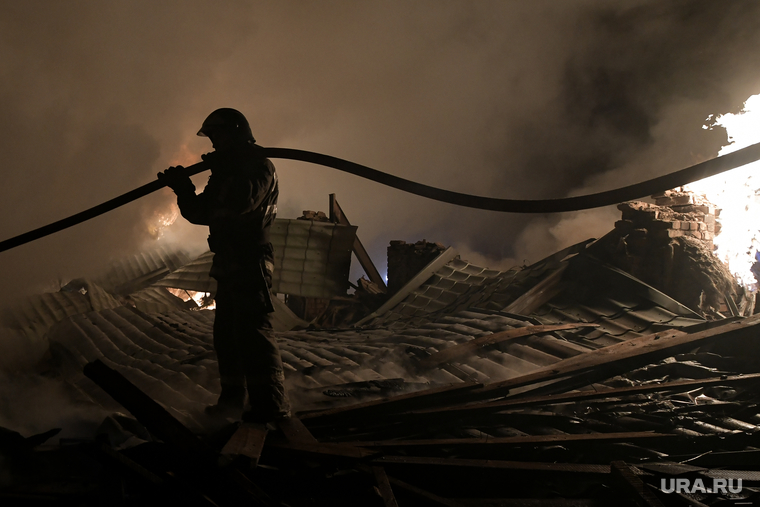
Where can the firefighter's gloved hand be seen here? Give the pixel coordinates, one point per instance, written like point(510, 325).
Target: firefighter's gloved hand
point(177, 179)
point(211, 157)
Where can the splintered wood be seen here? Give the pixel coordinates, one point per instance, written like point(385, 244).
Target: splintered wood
point(247, 442)
point(470, 347)
point(424, 446)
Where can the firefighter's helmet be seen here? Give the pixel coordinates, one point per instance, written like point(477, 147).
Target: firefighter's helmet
point(227, 119)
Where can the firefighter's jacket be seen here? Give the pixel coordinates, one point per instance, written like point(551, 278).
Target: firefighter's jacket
point(238, 205)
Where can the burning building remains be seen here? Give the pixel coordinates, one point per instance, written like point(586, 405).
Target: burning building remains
point(593, 376)
point(614, 371)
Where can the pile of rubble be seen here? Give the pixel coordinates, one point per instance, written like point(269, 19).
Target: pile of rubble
point(618, 425)
point(619, 371)
point(669, 245)
point(675, 214)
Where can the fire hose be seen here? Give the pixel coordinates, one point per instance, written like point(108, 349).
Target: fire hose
point(636, 191)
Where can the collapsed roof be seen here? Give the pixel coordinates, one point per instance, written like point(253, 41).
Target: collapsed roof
point(573, 375)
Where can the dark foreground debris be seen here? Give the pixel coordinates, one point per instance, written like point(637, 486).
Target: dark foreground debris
point(569, 382)
point(615, 426)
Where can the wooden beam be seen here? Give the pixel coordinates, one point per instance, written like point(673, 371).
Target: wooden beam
point(531, 502)
point(553, 399)
point(337, 216)
point(637, 490)
point(324, 450)
point(169, 487)
point(445, 502)
point(125, 463)
point(695, 503)
point(246, 444)
point(470, 347)
point(541, 293)
point(606, 361)
point(148, 412)
point(388, 405)
point(227, 486)
point(417, 280)
point(528, 466)
point(295, 431)
point(384, 486)
point(622, 356)
point(521, 440)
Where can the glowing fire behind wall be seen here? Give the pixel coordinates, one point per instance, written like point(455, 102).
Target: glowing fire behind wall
point(737, 193)
point(165, 217)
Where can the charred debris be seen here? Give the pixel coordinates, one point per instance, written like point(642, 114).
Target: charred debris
point(620, 371)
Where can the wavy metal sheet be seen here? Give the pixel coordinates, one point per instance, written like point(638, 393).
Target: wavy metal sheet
point(158, 300)
point(36, 314)
point(311, 259)
point(139, 271)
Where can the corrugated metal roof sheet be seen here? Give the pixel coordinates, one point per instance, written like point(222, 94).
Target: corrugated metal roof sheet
point(311, 259)
point(312, 358)
point(138, 271)
point(283, 318)
point(153, 352)
point(36, 314)
point(166, 353)
point(170, 357)
point(459, 285)
point(192, 276)
point(623, 306)
point(158, 300)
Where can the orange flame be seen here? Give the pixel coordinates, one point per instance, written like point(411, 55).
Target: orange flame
point(737, 194)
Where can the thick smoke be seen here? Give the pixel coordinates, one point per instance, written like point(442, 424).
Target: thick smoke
point(539, 99)
point(510, 99)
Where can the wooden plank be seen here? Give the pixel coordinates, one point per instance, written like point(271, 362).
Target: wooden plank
point(644, 349)
point(295, 431)
point(553, 399)
point(125, 463)
point(532, 502)
point(384, 486)
point(179, 489)
point(324, 450)
point(389, 405)
point(470, 347)
point(521, 440)
point(541, 293)
point(577, 364)
point(417, 280)
point(148, 412)
point(445, 502)
point(695, 503)
point(676, 469)
point(529, 466)
point(234, 488)
point(337, 216)
point(246, 442)
point(224, 486)
point(638, 491)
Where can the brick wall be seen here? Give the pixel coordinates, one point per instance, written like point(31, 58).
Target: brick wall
point(407, 259)
point(669, 245)
point(674, 214)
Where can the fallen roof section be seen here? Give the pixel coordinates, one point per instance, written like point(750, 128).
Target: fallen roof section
point(567, 372)
point(312, 259)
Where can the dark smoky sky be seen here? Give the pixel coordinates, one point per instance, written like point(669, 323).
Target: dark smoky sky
point(513, 99)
